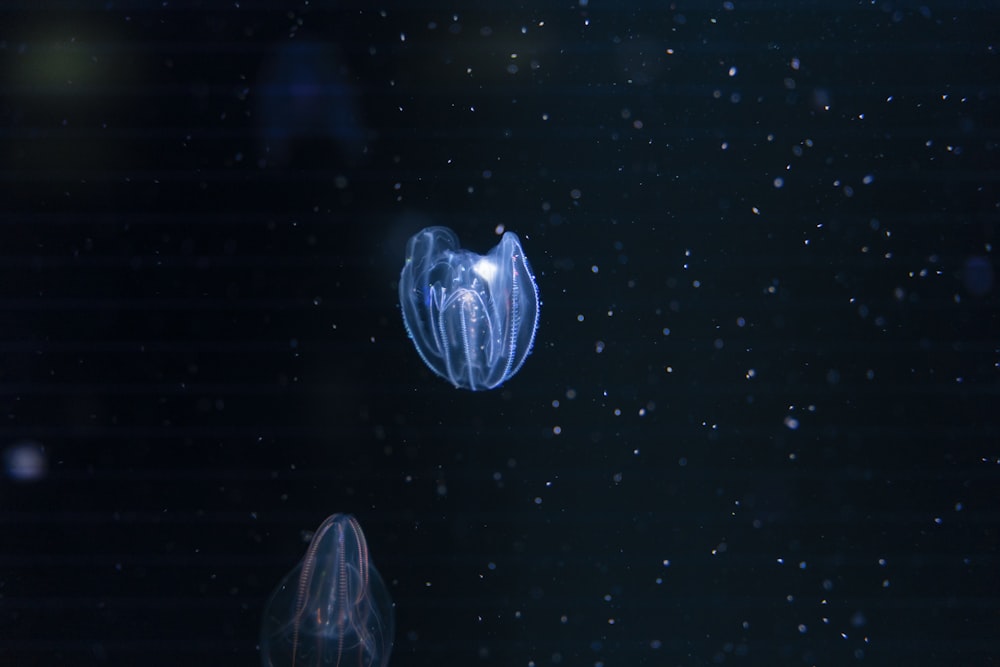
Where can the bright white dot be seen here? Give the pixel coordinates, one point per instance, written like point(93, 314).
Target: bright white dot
point(486, 269)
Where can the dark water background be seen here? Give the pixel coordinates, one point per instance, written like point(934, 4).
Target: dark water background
point(759, 425)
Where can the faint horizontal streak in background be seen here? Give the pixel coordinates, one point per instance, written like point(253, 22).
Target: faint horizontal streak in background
point(251, 174)
point(626, 520)
point(197, 218)
point(547, 130)
point(194, 389)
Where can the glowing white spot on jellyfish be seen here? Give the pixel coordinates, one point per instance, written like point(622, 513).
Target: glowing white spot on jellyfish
point(485, 269)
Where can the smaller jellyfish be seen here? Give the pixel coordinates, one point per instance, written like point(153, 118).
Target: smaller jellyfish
point(332, 608)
